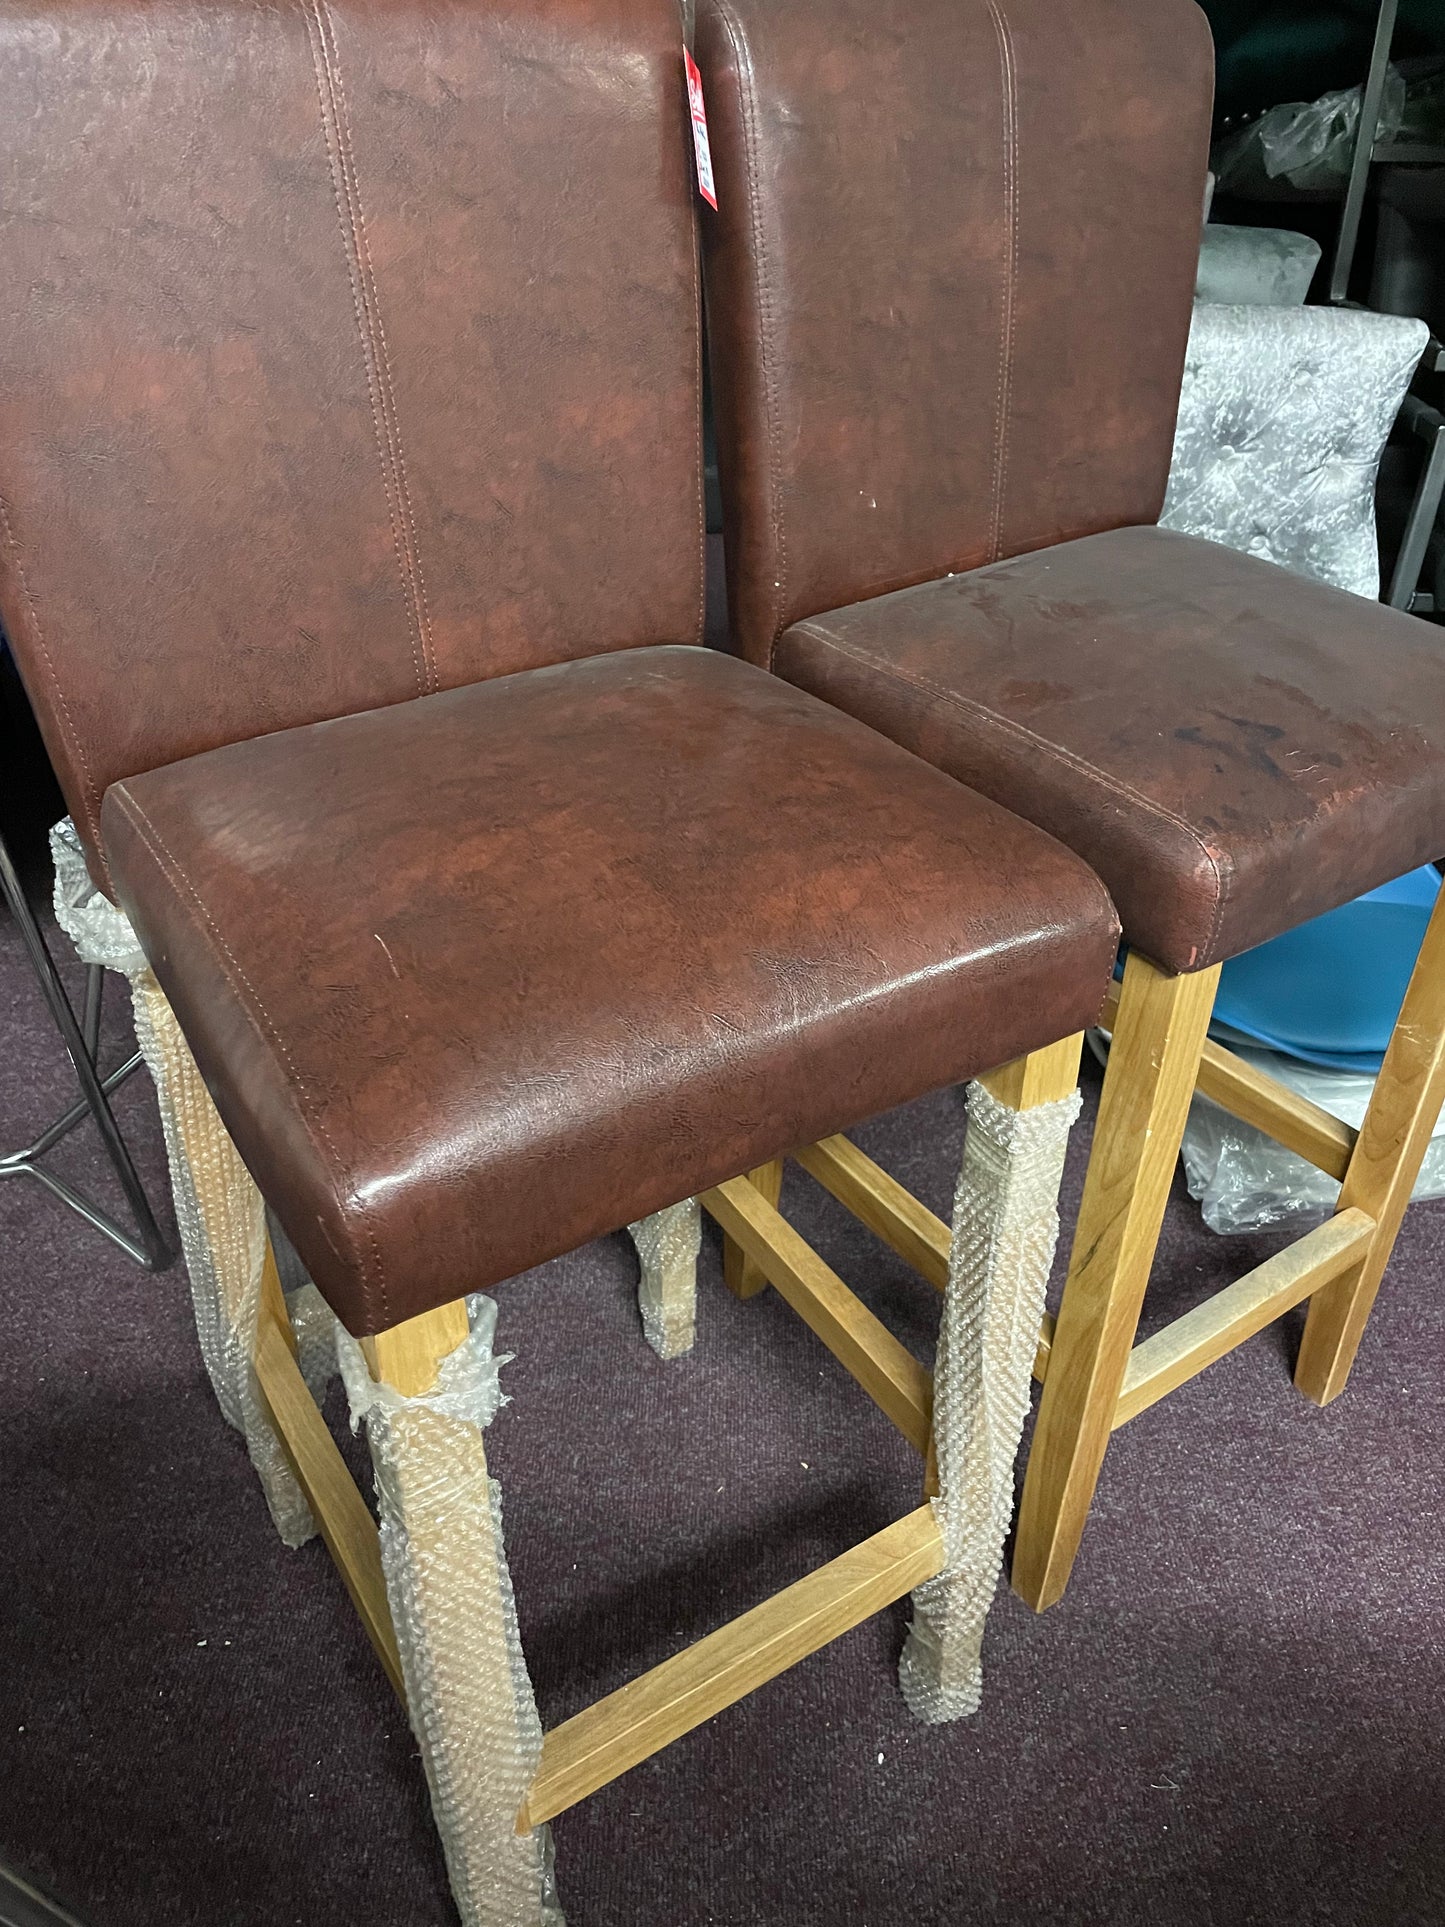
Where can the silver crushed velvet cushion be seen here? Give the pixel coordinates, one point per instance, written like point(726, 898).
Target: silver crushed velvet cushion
point(1282, 420)
point(1269, 265)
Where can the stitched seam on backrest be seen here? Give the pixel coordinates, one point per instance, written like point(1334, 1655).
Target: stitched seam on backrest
point(63, 715)
point(701, 468)
point(350, 215)
point(747, 97)
point(1004, 405)
point(1105, 778)
point(260, 1021)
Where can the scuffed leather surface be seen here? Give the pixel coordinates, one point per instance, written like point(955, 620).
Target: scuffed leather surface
point(1232, 747)
point(949, 281)
point(348, 351)
point(1282, 421)
point(477, 977)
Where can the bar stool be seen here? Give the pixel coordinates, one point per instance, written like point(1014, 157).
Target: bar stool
point(350, 542)
point(949, 286)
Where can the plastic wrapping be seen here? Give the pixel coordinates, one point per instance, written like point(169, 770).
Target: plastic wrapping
point(219, 1211)
point(1005, 1228)
point(467, 1688)
point(1244, 1180)
point(668, 1244)
point(312, 1320)
point(1309, 143)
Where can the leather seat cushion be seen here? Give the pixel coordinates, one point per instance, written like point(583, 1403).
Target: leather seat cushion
point(479, 976)
point(1234, 748)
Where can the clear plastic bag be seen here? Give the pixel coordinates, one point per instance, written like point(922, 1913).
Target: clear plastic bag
point(1309, 144)
point(1243, 1180)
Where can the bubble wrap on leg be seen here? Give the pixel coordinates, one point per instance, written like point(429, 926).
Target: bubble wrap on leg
point(467, 1688)
point(219, 1211)
point(1005, 1228)
point(668, 1244)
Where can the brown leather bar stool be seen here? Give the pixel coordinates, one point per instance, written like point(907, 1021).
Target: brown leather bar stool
point(350, 498)
point(949, 289)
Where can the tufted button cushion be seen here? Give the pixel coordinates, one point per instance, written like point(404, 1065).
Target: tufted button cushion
point(1282, 419)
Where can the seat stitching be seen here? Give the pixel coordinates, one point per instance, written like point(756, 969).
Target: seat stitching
point(748, 101)
point(326, 93)
point(265, 1028)
point(1105, 778)
point(1004, 403)
point(67, 723)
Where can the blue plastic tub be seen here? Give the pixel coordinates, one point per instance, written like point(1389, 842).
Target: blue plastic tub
point(1329, 992)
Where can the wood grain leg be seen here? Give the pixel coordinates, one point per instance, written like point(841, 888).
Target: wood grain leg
point(409, 1355)
point(745, 1278)
point(1043, 1077)
point(1383, 1168)
point(1153, 1062)
point(340, 1512)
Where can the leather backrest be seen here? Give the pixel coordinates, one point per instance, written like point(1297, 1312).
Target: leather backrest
point(949, 282)
point(348, 351)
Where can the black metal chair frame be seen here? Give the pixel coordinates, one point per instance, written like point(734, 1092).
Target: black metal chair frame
point(81, 1037)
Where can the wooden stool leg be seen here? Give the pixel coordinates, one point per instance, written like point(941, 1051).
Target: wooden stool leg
point(744, 1278)
point(222, 1220)
point(1005, 1227)
point(667, 1249)
point(467, 1689)
point(1158, 1037)
point(1383, 1168)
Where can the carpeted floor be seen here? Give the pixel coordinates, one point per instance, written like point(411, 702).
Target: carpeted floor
point(1234, 1716)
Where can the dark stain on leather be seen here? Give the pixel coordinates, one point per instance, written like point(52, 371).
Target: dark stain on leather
point(1233, 747)
point(1330, 783)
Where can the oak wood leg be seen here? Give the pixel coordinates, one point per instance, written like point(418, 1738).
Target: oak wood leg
point(1005, 1227)
point(744, 1277)
point(1153, 1061)
point(450, 1595)
point(320, 1471)
point(1383, 1168)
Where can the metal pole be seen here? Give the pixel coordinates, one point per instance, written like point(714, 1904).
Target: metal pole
point(152, 1251)
point(1366, 134)
point(1430, 425)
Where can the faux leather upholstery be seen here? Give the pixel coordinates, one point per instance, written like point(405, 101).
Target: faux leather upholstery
point(478, 977)
point(1234, 748)
point(347, 351)
point(949, 281)
point(949, 286)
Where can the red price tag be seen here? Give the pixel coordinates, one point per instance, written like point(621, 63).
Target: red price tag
point(700, 145)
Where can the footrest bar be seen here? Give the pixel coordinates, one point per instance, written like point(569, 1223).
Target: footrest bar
point(649, 1713)
point(1183, 1349)
point(340, 1512)
point(1314, 1133)
point(888, 1372)
point(892, 1213)
point(889, 1209)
